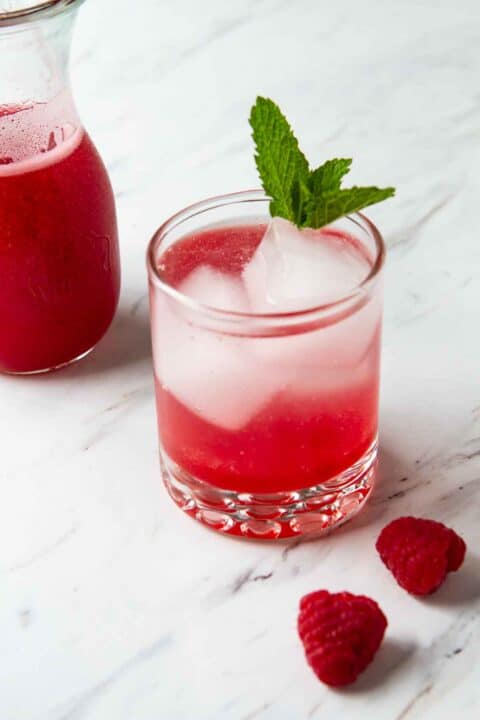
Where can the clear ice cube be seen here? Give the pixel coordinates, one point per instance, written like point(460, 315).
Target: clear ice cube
point(296, 269)
point(215, 375)
point(215, 289)
point(293, 270)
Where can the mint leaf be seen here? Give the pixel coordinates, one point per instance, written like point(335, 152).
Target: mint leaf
point(326, 206)
point(307, 198)
point(329, 175)
point(301, 197)
point(282, 166)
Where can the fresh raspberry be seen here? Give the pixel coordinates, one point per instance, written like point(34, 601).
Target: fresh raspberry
point(419, 553)
point(340, 633)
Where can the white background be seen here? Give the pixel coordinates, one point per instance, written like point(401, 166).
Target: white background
point(113, 605)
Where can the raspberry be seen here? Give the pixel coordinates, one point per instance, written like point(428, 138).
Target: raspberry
point(340, 633)
point(419, 553)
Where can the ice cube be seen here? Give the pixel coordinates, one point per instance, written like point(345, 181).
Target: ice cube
point(296, 269)
point(322, 355)
point(215, 289)
point(213, 374)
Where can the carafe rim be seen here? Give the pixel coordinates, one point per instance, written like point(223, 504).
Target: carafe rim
point(35, 11)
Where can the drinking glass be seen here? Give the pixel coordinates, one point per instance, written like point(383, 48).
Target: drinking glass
point(267, 422)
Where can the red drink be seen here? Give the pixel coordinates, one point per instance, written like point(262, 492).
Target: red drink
point(283, 404)
point(59, 264)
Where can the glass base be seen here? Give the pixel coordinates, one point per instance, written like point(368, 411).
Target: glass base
point(310, 511)
point(43, 371)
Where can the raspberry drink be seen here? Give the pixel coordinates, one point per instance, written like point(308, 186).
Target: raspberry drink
point(59, 264)
point(58, 255)
point(311, 416)
point(266, 346)
point(266, 314)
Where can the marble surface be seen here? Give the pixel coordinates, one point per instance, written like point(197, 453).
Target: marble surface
point(113, 605)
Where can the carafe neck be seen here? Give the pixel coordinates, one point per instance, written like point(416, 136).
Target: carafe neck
point(37, 112)
point(34, 59)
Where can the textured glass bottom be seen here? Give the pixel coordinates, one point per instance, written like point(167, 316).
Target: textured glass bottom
point(43, 371)
point(314, 511)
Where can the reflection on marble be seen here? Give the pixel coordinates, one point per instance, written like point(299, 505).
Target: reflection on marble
point(114, 605)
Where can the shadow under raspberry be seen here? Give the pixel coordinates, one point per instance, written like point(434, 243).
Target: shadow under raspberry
point(390, 657)
point(461, 588)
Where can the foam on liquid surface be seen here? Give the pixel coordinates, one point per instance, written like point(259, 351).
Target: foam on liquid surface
point(35, 135)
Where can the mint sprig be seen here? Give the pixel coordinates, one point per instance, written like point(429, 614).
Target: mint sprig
point(308, 198)
point(282, 166)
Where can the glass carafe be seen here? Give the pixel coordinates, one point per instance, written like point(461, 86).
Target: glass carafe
point(59, 263)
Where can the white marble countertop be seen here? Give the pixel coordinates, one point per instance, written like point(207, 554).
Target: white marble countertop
point(115, 606)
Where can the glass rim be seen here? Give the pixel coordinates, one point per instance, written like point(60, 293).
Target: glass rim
point(35, 11)
point(252, 196)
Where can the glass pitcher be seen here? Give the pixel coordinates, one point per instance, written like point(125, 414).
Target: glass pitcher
point(59, 262)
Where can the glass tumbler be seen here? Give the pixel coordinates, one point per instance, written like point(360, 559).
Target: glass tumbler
point(267, 422)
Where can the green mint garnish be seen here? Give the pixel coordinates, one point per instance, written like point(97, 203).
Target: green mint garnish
point(308, 198)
